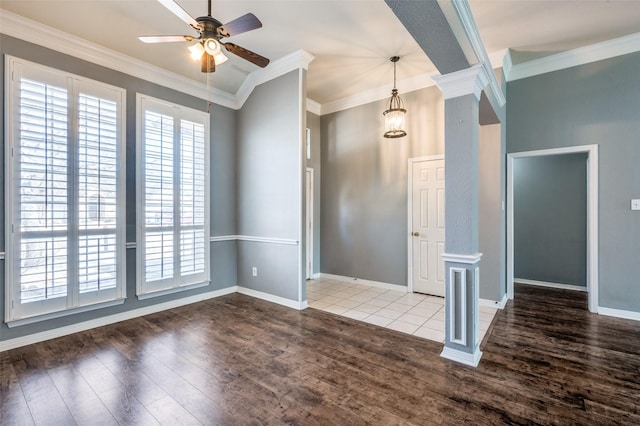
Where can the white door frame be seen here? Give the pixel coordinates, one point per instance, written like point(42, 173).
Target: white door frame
point(410, 164)
point(592, 214)
point(309, 222)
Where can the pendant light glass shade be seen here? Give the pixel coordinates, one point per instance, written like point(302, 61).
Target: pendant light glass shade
point(394, 115)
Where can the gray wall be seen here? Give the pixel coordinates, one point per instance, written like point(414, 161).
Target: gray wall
point(313, 123)
point(364, 186)
point(550, 219)
point(595, 103)
point(490, 213)
point(269, 185)
point(364, 191)
point(222, 122)
point(223, 193)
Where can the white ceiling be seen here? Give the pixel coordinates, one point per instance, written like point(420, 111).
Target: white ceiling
point(350, 39)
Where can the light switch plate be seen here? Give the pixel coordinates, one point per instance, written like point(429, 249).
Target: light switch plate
point(635, 204)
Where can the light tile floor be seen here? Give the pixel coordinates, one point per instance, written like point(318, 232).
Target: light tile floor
point(411, 313)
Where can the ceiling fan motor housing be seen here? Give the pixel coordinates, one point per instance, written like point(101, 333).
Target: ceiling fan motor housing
point(209, 27)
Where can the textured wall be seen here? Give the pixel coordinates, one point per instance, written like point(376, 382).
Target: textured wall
point(269, 185)
point(596, 103)
point(490, 213)
point(364, 186)
point(364, 190)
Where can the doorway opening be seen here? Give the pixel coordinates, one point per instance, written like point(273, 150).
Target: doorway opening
point(591, 152)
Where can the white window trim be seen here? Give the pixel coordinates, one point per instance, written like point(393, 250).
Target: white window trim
point(73, 302)
point(179, 112)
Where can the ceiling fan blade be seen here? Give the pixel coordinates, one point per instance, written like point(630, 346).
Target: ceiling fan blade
point(250, 56)
point(180, 13)
point(240, 25)
point(165, 39)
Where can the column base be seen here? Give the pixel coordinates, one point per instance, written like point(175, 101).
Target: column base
point(462, 357)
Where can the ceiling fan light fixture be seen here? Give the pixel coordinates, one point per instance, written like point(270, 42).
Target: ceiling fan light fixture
point(208, 47)
point(196, 51)
point(395, 114)
point(213, 48)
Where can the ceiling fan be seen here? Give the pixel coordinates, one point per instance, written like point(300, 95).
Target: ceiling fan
point(209, 46)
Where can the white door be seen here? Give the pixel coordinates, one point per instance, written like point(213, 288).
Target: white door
point(309, 223)
point(427, 233)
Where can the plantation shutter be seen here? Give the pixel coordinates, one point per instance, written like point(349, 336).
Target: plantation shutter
point(65, 192)
point(173, 233)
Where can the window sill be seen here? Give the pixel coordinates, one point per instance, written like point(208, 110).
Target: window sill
point(60, 314)
point(158, 293)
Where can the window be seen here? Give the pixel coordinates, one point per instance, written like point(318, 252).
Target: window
point(65, 191)
point(173, 197)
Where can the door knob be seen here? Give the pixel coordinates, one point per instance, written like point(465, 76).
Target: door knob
point(416, 234)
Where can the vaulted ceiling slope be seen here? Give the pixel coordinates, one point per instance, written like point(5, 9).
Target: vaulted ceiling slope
point(351, 40)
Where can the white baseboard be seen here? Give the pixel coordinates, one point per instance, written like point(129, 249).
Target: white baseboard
point(462, 357)
point(619, 313)
point(552, 285)
point(271, 298)
point(316, 276)
point(500, 304)
point(110, 319)
point(364, 282)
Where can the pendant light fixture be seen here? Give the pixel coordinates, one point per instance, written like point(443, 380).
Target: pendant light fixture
point(394, 115)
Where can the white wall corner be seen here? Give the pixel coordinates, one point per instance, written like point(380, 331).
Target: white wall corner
point(472, 359)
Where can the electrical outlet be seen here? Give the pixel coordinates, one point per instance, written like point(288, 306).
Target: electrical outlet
point(635, 204)
point(254, 271)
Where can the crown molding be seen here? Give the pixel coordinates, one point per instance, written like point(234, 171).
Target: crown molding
point(507, 64)
point(314, 107)
point(571, 58)
point(473, 36)
point(377, 94)
point(42, 35)
point(468, 81)
point(298, 59)
point(497, 58)
point(28, 30)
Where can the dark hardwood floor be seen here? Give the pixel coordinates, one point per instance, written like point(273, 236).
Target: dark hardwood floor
point(239, 360)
